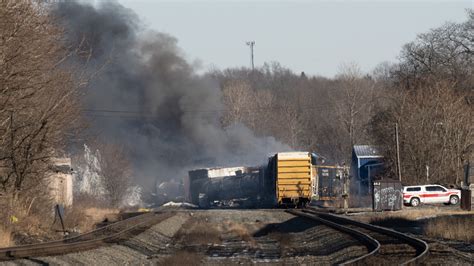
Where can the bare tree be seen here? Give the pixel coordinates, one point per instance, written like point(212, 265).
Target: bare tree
point(247, 105)
point(238, 98)
point(38, 96)
point(435, 129)
point(444, 53)
point(115, 170)
point(428, 98)
point(354, 103)
point(307, 113)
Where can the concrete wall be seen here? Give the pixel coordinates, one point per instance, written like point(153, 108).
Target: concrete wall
point(60, 182)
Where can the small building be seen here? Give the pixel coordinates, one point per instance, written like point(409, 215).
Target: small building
point(367, 163)
point(387, 195)
point(60, 181)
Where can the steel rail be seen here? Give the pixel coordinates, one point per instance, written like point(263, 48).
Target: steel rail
point(76, 243)
point(371, 243)
point(421, 247)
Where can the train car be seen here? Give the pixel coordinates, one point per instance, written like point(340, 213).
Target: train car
point(331, 185)
point(247, 187)
point(294, 177)
point(287, 180)
point(330, 182)
point(198, 180)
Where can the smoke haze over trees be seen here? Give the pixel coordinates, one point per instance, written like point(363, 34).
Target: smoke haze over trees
point(149, 97)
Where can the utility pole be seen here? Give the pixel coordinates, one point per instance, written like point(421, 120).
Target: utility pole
point(427, 174)
point(398, 154)
point(251, 44)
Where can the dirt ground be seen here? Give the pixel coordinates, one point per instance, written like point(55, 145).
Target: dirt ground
point(253, 236)
point(221, 237)
point(228, 237)
point(447, 229)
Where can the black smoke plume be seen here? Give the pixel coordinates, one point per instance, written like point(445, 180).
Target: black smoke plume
point(151, 99)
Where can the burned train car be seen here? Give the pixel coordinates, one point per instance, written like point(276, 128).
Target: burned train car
point(287, 179)
point(229, 187)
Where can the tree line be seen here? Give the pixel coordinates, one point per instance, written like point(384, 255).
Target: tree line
point(428, 93)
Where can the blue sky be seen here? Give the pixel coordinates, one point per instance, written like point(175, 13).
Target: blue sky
point(311, 36)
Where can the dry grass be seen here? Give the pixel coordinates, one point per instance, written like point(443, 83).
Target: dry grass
point(199, 232)
point(29, 224)
point(436, 222)
point(458, 227)
point(240, 231)
point(85, 218)
point(5, 238)
point(415, 213)
point(86, 212)
point(34, 216)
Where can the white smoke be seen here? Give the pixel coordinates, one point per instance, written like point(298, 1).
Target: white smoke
point(87, 178)
point(133, 197)
point(88, 181)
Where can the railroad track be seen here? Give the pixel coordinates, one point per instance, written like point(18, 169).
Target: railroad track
point(93, 239)
point(383, 245)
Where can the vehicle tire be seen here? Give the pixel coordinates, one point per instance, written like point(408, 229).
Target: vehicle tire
point(415, 202)
point(453, 200)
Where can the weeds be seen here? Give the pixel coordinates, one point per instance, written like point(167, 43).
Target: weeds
point(5, 237)
point(32, 219)
point(83, 218)
point(238, 230)
point(199, 232)
point(457, 227)
point(415, 214)
point(434, 222)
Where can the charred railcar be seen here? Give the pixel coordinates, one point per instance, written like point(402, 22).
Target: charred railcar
point(287, 179)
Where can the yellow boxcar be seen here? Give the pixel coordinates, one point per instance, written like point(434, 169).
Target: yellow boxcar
point(293, 177)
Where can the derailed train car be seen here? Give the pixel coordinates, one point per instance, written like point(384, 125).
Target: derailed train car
point(287, 179)
point(233, 186)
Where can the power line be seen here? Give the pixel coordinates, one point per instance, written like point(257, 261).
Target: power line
point(127, 114)
point(212, 111)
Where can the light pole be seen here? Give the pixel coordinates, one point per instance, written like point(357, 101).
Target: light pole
point(398, 154)
point(251, 44)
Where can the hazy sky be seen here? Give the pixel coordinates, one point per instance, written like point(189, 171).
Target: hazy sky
point(310, 36)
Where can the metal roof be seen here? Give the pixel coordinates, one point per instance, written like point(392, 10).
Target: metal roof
point(366, 151)
point(293, 155)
